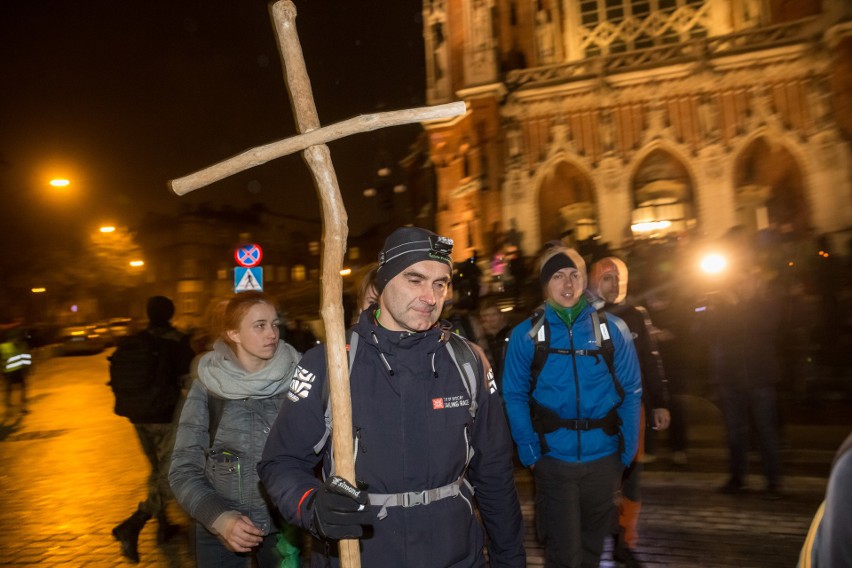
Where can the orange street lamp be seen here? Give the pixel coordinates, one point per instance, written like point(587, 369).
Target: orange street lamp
point(137, 263)
point(107, 229)
point(60, 182)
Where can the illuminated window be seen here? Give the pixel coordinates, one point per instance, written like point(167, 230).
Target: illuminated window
point(618, 26)
point(298, 273)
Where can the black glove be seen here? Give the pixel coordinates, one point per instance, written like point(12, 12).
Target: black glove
point(340, 510)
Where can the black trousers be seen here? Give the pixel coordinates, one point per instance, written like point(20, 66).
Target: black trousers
point(575, 509)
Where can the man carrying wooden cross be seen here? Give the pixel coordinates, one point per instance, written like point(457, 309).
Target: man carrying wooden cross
point(428, 428)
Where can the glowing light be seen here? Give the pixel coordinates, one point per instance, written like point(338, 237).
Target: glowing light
point(713, 263)
point(650, 226)
point(107, 229)
point(346, 272)
point(137, 263)
point(59, 182)
point(38, 290)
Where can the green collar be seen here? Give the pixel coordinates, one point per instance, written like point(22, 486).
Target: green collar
point(569, 315)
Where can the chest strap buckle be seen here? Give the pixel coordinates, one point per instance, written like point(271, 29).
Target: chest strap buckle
point(416, 498)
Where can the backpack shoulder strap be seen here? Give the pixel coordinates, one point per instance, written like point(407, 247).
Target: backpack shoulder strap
point(538, 320)
point(603, 339)
point(215, 408)
point(540, 334)
point(352, 348)
point(467, 364)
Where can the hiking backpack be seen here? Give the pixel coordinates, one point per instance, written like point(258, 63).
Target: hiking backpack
point(545, 420)
point(145, 392)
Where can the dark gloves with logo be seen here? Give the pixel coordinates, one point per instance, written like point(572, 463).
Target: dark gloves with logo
point(340, 510)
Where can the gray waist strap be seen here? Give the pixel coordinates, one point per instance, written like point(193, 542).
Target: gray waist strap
point(415, 498)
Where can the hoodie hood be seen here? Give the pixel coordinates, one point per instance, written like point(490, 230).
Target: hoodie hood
point(600, 269)
point(222, 373)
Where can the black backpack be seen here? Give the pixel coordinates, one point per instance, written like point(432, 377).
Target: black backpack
point(145, 392)
point(545, 420)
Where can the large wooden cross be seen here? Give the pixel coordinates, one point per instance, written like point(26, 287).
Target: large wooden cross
point(311, 141)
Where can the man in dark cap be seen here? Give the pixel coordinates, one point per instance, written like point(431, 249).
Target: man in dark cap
point(169, 356)
point(428, 432)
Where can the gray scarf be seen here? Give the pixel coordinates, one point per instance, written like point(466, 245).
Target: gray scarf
point(222, 373)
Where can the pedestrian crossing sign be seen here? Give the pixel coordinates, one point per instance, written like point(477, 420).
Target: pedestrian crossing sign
point(246, 279)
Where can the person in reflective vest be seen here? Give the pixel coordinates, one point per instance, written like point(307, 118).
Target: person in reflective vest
point(16, 364)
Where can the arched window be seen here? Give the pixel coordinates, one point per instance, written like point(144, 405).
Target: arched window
point(769, 187)
point(662, 197)
point(567, 204)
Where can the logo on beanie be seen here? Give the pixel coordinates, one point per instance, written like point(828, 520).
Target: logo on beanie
point(439, 257)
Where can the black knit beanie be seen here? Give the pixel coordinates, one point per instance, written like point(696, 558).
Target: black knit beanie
point(407, 246)
point(556, 258)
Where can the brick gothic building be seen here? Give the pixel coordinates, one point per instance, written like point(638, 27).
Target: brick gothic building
point(636, 118)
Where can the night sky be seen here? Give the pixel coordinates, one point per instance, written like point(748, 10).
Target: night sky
point(120, 97)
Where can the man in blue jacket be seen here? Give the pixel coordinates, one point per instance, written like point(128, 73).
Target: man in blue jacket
point(575, 424)
point(425, 440)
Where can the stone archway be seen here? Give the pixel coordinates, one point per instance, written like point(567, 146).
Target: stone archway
point(663, 196)
point(769, 187)
point(566, 204)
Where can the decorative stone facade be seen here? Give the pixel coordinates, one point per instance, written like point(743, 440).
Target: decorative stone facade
point(639, 119)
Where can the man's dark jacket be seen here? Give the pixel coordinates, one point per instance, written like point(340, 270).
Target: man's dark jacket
point(411, 421)
point(655, 392)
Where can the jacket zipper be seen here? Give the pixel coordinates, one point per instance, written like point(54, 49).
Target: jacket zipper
point(576, 390)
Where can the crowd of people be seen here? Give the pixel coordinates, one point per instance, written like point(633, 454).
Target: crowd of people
point(450, 392)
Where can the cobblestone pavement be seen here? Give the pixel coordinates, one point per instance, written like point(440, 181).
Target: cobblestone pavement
point(72, 470)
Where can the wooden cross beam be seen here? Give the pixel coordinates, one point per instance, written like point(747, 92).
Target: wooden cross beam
point(312, 142)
